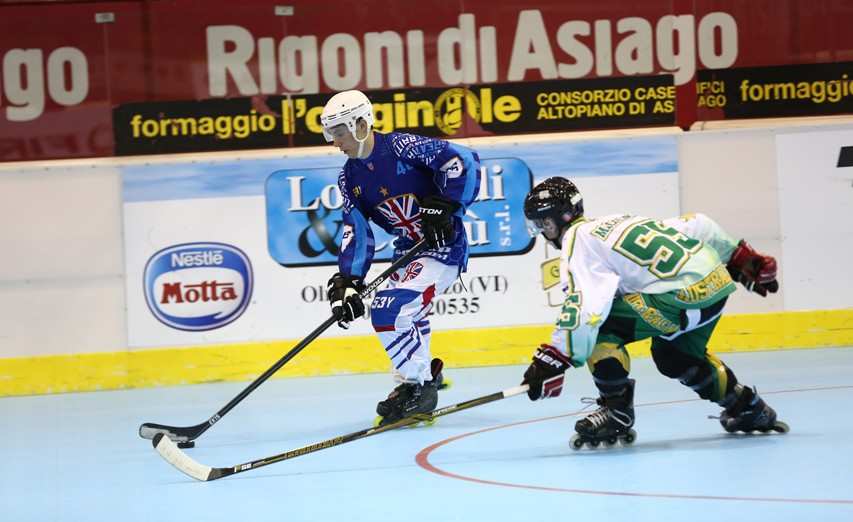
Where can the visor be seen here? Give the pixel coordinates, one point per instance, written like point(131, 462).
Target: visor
point(545, 226)
point(335, 131)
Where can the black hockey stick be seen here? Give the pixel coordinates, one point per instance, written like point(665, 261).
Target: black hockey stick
point(185, 435)
point(174, 456)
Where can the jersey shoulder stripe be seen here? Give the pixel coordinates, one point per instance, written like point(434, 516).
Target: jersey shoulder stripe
point(412, 147)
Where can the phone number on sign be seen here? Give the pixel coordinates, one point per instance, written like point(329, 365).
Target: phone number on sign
point(455, 306)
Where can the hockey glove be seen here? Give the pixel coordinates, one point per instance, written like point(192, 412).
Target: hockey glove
point(755, 271)
point(545, 373)
point(342, 291)
point(437, 220)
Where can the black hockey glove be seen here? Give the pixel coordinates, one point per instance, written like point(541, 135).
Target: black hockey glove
point(545, 373)
point(437, 220)
point(343, 293)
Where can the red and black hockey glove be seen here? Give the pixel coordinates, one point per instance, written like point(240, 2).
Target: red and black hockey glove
point(343, 293)
point(545, 373)
point(437, 220)
point(754, 271)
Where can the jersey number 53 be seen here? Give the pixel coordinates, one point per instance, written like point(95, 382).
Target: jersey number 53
point(662, 249)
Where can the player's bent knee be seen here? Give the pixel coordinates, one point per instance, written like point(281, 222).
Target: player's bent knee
point(702, 376)
point(673, 363)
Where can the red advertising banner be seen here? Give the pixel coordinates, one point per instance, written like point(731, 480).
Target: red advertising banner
point(60, 73)
point(64, 66)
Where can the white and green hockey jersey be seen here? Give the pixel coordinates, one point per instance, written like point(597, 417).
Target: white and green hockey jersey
point(616, 256)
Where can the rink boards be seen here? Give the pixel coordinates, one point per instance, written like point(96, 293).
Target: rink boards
point(113, 313)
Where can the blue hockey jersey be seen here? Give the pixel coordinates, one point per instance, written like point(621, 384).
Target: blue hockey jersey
point(387, 186)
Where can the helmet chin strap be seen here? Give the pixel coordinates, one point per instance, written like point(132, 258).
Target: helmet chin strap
point(556, 243)
point(361, 141)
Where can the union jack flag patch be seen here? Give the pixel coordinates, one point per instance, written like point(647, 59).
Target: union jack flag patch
point(413, 270)
point(403, 213)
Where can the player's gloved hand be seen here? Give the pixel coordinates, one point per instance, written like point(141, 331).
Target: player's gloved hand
point(437, 220)
point(755, 271)
point(545, 373)
point(343, 293)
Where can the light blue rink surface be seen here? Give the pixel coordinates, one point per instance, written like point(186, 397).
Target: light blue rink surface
point(78, 457)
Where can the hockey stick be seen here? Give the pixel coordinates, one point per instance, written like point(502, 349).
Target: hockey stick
point(174, 456)
point(184, 435)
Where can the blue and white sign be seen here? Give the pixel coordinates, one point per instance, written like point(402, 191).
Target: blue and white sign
point(198, 286)
point(304, 221)
point(175, 205)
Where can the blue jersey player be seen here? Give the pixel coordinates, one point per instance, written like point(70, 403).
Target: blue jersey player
point(415, 188)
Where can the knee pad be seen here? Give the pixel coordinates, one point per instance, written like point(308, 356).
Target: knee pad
point(710, 378)
point(609, 365)
point(673, 363)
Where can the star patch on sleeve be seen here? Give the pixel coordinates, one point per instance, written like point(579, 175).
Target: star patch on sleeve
point(594, 320)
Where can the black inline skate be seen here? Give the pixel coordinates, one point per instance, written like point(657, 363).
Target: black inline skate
point(410, 398)
point(750, 413)
point(610, 423)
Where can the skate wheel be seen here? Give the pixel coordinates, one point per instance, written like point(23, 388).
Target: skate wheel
point(629, 437)
point(594, 443)
point(609, 443)
point(426, 423)
point(781, 427)
point(576, 442)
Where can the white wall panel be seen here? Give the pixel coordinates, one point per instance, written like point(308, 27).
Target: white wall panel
point(816, 202)
point(62, 268)
point(62, 264)
point(60, 222)
point(730, 175)
point(62, 316)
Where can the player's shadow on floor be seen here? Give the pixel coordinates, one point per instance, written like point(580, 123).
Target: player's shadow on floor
point(716, 442)
point(713, 442)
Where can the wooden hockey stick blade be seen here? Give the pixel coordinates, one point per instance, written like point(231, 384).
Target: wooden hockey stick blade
point(172, 454)
point(186, 434)
point(176, 457)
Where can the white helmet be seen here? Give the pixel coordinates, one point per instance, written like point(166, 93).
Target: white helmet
point(346, 108)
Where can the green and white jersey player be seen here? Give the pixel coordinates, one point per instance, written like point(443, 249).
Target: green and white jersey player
point(628, 278)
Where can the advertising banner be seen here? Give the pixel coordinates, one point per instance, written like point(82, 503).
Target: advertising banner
point(257, 49)
point(499, 109)
point(60, 73)
point(787, 90)
point(231, 250)
point(304, 219)
point(59, 83)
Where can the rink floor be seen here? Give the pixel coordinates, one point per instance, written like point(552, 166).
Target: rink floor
point(77, 457)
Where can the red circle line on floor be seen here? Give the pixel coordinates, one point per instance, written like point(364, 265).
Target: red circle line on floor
point(422, 459)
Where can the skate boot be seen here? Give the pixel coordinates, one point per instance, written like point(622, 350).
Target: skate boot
point(610, 423)
point(750, 413)
point(410, 398)
point(439, 380)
